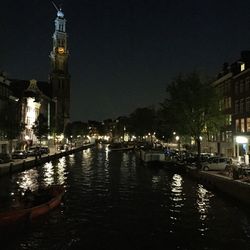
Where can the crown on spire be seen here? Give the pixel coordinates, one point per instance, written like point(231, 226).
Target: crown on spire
point(60, 13)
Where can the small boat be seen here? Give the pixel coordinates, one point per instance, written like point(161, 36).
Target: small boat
point(43, 201)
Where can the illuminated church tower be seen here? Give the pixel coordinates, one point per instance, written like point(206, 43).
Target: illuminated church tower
point(59, 76)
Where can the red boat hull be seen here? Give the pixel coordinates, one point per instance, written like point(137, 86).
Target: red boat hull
point(18, 215)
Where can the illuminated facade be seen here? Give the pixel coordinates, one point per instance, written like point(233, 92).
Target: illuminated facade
point(233, 82)
point(35, 99)
point(59, 76)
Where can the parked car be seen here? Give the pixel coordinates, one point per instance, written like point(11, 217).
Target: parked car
point(194, 160)
point(4, 157)
point(19, 154)
point(44, 150)
point(216, 163)
point(33, 151)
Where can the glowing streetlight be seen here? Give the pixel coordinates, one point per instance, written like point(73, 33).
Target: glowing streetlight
point(177, 138)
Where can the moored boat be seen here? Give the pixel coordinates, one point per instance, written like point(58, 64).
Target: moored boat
point(43, 201)
point(120, 147)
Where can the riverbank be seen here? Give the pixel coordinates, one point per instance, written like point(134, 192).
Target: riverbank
point(30, 162)
point(237, 189)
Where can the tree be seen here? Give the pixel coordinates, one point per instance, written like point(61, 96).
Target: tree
point(68, 130)
point(192, 107)
point(142, 121)
point(40, 127)
point(163, 126)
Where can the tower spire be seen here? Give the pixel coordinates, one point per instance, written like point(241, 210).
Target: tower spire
point(55, 6)
point(59, 10)
point(59, 76)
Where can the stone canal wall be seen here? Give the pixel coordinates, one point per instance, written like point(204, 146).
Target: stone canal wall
point(237, 189)
point(30, 162)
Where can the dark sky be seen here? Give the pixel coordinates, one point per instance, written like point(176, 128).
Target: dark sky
point(123, 53)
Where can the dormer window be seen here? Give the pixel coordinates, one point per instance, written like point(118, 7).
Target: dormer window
point(242, 66)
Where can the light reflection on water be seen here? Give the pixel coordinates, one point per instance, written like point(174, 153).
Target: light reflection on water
point(48, 171)
point(49, 174)
point(128, 206)
point(28, 180)
point(61, 169)
point(71, 160)
point(177, 200)
point(203, 206)
point(86, 160)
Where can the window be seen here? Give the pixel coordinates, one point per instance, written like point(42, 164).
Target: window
point(242, 66)
point(229, 102)
point(241, 105)
point(247, 84)
point(229, 136)
point(222, 160)
point(236, 88)
point(225, 103)
point(248, 104)
point(236, 107)
point(220, 105)
point(242, 125)
point(241, 86)
point(237, 125)
point(223, 136)
point(228, 120)
point(227, 87)
point(248, 124)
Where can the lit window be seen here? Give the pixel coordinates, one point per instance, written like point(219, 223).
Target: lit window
point(237, 125)
point(248, 124)
point(228, 120)
point(242, 67)
point(228, 136)
point(242, 125)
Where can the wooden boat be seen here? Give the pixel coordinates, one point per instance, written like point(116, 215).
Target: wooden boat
point(44, 201)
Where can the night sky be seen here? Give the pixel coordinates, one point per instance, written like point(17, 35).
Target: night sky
point(123, 53)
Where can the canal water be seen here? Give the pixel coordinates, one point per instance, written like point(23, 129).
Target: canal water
point(113, 202)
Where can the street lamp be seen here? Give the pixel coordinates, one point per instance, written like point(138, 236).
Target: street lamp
point(177, 138)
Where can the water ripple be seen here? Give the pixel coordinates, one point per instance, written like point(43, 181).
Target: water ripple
point(113, 202)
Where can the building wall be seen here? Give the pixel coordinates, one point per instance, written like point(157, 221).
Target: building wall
point(9, 116)
point(233, 82)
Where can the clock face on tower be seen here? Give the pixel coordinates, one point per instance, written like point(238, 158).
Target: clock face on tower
point(60, 50)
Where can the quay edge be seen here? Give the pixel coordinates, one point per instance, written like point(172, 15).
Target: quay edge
point(9, 168)
point(236, 189)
